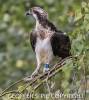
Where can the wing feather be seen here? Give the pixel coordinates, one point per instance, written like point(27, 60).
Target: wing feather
point(60, 45)
point(33, 38)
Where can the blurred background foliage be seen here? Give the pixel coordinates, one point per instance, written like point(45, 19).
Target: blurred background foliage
point(17, 58)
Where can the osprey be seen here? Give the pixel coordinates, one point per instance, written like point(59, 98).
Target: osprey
point(46, 40)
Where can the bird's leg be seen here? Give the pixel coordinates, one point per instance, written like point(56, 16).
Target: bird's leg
point(46, 68)
point(36, 72)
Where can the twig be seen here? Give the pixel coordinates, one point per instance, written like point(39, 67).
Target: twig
point(13, 91)
point(12, 85)
point(47, 82)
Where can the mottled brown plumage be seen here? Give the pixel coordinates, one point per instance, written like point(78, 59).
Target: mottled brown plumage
point(60, 42)
point(46, 40)
point(33, 38)
point(60, 45)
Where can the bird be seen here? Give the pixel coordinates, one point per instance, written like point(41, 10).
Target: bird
point(46, 40)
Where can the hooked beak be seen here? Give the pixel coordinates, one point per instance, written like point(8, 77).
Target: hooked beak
point(28, 13)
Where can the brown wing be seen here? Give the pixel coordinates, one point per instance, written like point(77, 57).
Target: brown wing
point(33, 37)
point(60, 45)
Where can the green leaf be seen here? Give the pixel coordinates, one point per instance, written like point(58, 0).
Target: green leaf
point(84, 4)
point(62, 17)
point(79, 15)
point(75, 19)
point(86, 16)
point(78, 53)
point(38, 80)
point(28, 88)
point(71, 65)
point(32, 91)
point(86, 9)
point(79, 37)
point(75, 7)
point(70, 19)
point(78, 10)
point(82, 27)
point(85, 22)
point(80, 47)
point(87, 36)
point(64, 68)
point(79, 67)
point(21, 88)
point(8, 96)
point(87, 27)
point(58, 69)
point(68, 61)
point(76, 31)
point(76, 43)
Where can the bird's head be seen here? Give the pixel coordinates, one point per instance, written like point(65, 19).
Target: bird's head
point(38, 13)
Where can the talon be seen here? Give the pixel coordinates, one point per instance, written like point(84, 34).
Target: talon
point(35, 73)
point(28, 79)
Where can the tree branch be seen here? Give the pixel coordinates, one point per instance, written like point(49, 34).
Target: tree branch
point(43, 77)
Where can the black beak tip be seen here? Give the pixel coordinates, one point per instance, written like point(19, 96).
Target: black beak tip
point(27, 14)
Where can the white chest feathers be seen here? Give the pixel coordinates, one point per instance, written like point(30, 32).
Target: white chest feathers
point(43, 50)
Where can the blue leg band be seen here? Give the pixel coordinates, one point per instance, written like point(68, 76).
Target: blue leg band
point(46, 66)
